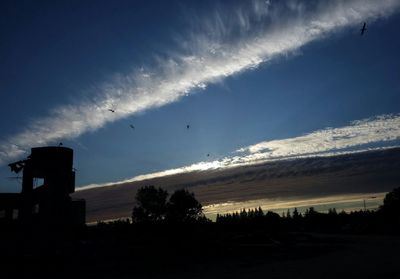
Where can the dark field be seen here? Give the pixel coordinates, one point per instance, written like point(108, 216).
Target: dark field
point(209, 251)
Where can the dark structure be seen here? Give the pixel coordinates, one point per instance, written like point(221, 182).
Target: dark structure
point(50, 202)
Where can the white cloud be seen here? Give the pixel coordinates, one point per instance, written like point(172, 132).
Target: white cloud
point(385, 128)
point(228, 45)
point(327, 142)
point(372, 130)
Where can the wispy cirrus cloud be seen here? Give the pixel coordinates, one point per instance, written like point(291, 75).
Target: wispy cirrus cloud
point(380, 132)
point(229, 42)
point(361, 132)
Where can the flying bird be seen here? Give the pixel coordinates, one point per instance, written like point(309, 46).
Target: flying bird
point(60, 144)
point(133, 127)
point(208, 155)
point(187, 126)
point(363, 29)
point(112, 110)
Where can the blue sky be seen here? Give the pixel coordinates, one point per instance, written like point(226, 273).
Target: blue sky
point(240, 73)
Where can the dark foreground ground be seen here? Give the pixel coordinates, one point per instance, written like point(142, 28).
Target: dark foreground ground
point(207, 251)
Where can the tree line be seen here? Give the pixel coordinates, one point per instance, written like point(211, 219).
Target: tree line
point(385, 219)
point(154, 206)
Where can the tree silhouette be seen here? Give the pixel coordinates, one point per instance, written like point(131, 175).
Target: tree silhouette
point(391, 210)
point(391, 202)
point(151, 205)
point(183, 207)
point(310, 212)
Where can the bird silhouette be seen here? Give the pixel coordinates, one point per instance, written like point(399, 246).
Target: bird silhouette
point(112, 110)
point(133, 127)
point(60, 144)
point(187, 126)
point(363, 29)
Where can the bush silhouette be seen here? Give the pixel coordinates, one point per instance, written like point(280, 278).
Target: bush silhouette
point(183, 207)
point(151, 205)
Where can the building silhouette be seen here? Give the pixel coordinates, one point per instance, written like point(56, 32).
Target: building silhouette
point(50, 202)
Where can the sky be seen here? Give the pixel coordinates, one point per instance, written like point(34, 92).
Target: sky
point(254, 80)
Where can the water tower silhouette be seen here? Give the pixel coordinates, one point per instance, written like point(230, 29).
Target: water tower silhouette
point(49, 203)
